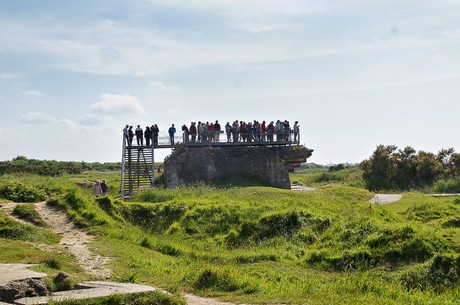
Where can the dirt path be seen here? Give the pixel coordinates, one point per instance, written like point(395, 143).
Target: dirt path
point(75, 240)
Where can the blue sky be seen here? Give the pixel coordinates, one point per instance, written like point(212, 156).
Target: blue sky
point(355, 73)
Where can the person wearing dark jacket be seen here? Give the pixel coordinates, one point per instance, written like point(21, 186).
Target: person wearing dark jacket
point(155, 130)
point(147, 135)
point(139, 135)
point(192, 130)
point(171, 132)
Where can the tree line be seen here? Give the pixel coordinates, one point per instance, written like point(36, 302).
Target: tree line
point(393, 168)
point(21, 164)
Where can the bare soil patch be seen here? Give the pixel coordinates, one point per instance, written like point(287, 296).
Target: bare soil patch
point(75, 240)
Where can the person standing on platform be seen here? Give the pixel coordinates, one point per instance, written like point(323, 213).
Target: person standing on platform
point(192, 131)
point(263, 130)
point(147, 135)
point(296, 130)
point(139, 136)
point(228, 131)
point(126, 134)
point(155, 130)
point(172, 131)
point(130, 135)
point(217, 131)
point(185, 133)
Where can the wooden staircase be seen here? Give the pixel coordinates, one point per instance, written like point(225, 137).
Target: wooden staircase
point(137, 171)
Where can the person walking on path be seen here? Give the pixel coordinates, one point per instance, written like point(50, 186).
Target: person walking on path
point(104, 188)
point(97, 191)
point(172, 131)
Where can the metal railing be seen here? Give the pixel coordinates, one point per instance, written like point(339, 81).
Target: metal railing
point(284, 137)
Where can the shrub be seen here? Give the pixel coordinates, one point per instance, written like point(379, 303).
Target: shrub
point(446, 186)
point(19, 192)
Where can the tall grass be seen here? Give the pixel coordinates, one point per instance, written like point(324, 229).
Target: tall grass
point(321, 176)
point(267, 245)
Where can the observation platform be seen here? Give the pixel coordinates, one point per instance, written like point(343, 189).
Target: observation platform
point(138, 160)
point(263, 140)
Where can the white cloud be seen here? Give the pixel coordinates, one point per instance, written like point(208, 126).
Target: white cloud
point(37, 118)
point(118, 103)
point(33, 93)
point(162, 86)
point(91, 120)
point(66, 122)
point(40, 118)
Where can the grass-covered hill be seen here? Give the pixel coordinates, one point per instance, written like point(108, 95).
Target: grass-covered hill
point(258, 245)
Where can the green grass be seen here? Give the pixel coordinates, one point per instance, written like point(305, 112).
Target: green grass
point(144, 298)
point(28, 213)
point(263, 245)
point(321, 177)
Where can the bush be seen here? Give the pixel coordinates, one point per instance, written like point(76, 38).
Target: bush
point(19, 192)
point(446, 186)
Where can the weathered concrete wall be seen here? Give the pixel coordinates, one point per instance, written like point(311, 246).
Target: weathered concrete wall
point(269, 165)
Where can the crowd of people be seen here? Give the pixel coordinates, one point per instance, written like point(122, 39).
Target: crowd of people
point(150, 134)
point(205, 132)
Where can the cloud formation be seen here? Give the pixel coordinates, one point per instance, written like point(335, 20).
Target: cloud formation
point(37, 118)
point(44, 119)
point(118, 104)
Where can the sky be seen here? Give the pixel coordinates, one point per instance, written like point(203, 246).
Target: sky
point(354, 73)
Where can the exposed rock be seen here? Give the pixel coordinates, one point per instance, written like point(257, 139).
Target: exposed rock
point(267, 165)
point(30, 287)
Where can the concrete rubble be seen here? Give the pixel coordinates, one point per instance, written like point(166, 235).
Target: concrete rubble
point(18, 285)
